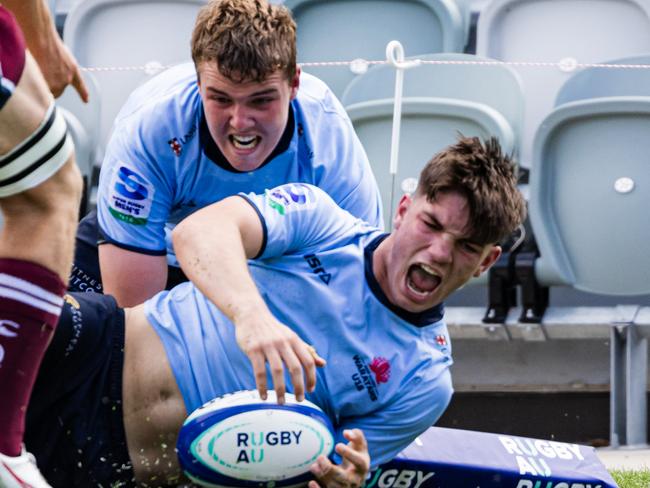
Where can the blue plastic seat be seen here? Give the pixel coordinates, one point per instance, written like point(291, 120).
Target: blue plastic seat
point(344, 30)
point(583, 31)
point(608, 82)
point(128, 33)
point(590, 195)
point(439, 102)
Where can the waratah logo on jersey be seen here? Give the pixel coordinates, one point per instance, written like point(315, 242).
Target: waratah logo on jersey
point(369, 377)
point(290, 197)
point(381, 367)
point(131, 198)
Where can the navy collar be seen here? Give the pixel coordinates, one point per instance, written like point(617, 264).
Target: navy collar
point(213, 152)
point(420, 319)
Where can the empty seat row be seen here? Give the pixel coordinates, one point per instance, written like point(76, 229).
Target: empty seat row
point(589, 175)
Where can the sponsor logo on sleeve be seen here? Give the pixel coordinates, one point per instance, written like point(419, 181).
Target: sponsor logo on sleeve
point(131, 197)
point(289, 198)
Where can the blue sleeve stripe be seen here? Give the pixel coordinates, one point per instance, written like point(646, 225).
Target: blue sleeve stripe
point(103, 239)
point(262, 221)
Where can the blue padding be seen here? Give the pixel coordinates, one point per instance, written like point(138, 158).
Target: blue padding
point(460, 458)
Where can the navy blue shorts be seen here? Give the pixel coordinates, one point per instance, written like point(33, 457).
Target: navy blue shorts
point(74, 421)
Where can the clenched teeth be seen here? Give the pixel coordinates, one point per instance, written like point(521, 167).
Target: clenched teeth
point(244, 142)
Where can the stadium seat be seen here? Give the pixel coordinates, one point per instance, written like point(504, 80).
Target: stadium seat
point(589, 194)
point(608, 82)
point(128, 33)
point(344, 30)
point(439, 101)
point(583, 31)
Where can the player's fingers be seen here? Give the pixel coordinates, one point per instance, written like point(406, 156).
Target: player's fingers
point(320, 362)
point(79, 85)
point(351, 457)
point(356, 439)
point(277, 373)
point(259, 370)
point(322, 469)
point(294, 364)
point(308, 364)
point(333, 476)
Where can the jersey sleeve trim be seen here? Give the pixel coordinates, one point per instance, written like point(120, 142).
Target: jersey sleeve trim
point(103, 239)
point(262, 221)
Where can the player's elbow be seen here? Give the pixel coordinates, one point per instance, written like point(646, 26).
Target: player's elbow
point(182, 236)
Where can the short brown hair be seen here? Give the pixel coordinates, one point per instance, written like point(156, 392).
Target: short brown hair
point(486, 177)
point(248, 39)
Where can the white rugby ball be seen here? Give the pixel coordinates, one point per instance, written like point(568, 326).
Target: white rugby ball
point(240, 440)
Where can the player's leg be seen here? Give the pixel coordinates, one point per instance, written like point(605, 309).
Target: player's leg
point(40, 188)
point(78, 396)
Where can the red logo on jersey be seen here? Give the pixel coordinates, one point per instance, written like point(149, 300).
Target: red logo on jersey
point(441, 340)
point(175, 145)
point(381, 367)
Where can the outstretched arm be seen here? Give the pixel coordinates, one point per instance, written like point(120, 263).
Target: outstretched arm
point(55, 60)
point(213, 245)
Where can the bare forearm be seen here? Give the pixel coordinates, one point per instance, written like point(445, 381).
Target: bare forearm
point(219, 268)
point(58, 66)
point(213, 245)
point(35, 21)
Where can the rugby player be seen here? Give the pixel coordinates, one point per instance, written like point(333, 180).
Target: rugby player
point(40, 190)
point(276, 277)
point(241, 117)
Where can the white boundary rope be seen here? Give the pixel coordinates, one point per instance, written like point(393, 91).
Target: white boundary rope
point(360, 65)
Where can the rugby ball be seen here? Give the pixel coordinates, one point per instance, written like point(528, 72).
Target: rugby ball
point(240, 440)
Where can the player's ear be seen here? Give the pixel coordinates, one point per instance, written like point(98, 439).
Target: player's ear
point(402, 207)
point(294, 83)
point(487, 262)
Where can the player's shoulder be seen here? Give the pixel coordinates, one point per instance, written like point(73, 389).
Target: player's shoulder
point(171, 96)
point(316, 98)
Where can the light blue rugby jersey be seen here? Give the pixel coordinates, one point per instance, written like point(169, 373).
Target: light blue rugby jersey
point(161, 163)
point(387, 370)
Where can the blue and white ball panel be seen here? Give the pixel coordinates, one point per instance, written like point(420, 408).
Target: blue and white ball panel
point(241, 440)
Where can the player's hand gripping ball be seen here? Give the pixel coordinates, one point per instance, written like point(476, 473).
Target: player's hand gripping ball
point(240, 440)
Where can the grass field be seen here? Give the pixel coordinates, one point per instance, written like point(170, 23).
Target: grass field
point(632, 479)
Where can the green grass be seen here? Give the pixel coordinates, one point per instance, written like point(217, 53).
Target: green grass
point(631, 479)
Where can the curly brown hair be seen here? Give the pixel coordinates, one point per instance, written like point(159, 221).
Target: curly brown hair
point(248, 39)
point(486, 177)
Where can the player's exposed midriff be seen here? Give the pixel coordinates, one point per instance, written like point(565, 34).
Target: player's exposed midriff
point(153, 405)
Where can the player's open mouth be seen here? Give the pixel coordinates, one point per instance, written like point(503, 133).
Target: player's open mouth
point(422, 280)
point(244, 142)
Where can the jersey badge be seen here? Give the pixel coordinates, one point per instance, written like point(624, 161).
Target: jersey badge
point(290, 197)
point(175, 145)
point(130, 200)
point(369, 377)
